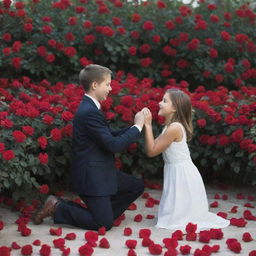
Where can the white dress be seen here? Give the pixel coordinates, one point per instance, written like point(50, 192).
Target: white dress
point(184, 197)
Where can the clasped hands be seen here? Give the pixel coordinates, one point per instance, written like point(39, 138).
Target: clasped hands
point(143, 117)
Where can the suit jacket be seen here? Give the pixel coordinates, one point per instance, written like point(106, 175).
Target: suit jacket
point(94, 143)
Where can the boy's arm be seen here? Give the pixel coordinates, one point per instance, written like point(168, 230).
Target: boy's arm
point(100, 133)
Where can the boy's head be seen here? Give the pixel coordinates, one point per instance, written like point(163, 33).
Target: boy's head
point(96, 80)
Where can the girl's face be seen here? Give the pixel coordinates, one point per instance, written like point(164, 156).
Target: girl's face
point(166, 107)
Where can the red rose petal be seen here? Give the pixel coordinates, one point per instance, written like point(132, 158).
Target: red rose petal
point(102, 231)
point(131, 244)
point(191, 228)
point(146, 242)
point(132, 207)
point(178, 234)
point(15, 246)
point(149, 216)
point(70, 236)
point(37, 243)
point(56, 231)
point(185, 249)
point(104, 243)
point(127, 231)
point(214, 204)
point(138, 218)
point(143, 233)
point(247, 237)
point(131, 252)
point(59, 243)
point(234, 209)
point(204, 236)
point(155, 249)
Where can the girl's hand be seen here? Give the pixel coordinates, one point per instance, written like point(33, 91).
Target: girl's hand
point(147, 116)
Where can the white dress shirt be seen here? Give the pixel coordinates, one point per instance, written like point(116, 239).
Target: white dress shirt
point(97, 103)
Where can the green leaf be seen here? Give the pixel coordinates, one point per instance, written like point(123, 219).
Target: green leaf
point(227, 150)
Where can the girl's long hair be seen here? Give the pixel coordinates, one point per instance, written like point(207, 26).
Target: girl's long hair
point(182, 104)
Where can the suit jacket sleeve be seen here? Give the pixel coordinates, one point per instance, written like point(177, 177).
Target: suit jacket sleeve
point(119, 131)
point(100, 133)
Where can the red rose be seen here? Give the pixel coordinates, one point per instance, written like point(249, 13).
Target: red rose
point(248, 215)
point(247, 237)
point(229, 68)
point(213, 53)
point(136, 17)
point(225, 36)
point(72, 21)
point(89, 39)
point(67, 116)
point(156, 39)
point(27, 250)
point(191, 237)
point(167, 50)
point(185, 250)
point(70, 51)
point(216, 234)
point(252, 253)
point(80, 9)
point(91, 236)
point(37, 242)
point(25, 231)
point(161, 4)
point(43, 158)
point(222, 214)
point(50, 58)
point(178, 234)
point(107, 31)
point(104, 243)
point(204, 236)
point(214, 18)
point(238, 222)
point(55, 231)
point(145, 62)
point(86, 250)
point(15, 246)
point(28, 27)
point(237, 135)
point(7, 51)
point(47, 29)
point(201, 25)
point(148, 25)
point(16, 62)
point(8, 155)
point(170, 243)
point(135, 34)
point(146, 242)
point(131, 244)
point(193, 44)
point(7, 37)
point(102, 231)
point(127, 231)
point(45, 250)
point(132, 207)
point(201, 123)
point(223, 140)
point(59, 243)
point(138, 218)
point(44, 189)
point(143, 233)
point(131, 252)
point(214, 204)
point(70, 236)
point(155, 249)
point(170, 25)
point(28, 130)
point(234, 245)
point(56, 134)
point(87, 24)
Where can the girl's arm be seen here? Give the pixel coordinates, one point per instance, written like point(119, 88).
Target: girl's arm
point(156, 146)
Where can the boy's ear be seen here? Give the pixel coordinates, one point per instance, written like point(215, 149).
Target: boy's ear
point(94, 85)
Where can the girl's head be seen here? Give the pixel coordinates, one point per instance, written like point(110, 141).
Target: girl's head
point(176, 107)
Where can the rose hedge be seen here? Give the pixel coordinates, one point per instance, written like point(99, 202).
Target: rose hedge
point(207, 45)
point(35, 128)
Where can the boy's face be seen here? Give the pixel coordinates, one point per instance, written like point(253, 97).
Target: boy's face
point(101, 90)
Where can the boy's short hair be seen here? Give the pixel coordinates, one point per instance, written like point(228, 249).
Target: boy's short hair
point(93, 73)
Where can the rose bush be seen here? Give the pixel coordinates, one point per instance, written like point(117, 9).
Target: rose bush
point(209, 45)
point(36, 129)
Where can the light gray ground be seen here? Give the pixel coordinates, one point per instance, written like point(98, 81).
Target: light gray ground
point(116, 238)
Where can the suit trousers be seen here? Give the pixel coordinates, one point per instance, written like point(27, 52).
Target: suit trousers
point(101, 210)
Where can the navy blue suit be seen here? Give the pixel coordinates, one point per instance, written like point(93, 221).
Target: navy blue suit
point(106, 191)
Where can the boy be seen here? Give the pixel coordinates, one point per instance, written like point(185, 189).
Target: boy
point(106, 191)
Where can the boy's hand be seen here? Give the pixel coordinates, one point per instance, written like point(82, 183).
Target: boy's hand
point(139, 119)
point(147, 116)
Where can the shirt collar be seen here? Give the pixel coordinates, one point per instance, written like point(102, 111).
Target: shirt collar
point(94, 100)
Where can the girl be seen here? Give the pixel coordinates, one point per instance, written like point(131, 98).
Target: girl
point(184, 198)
